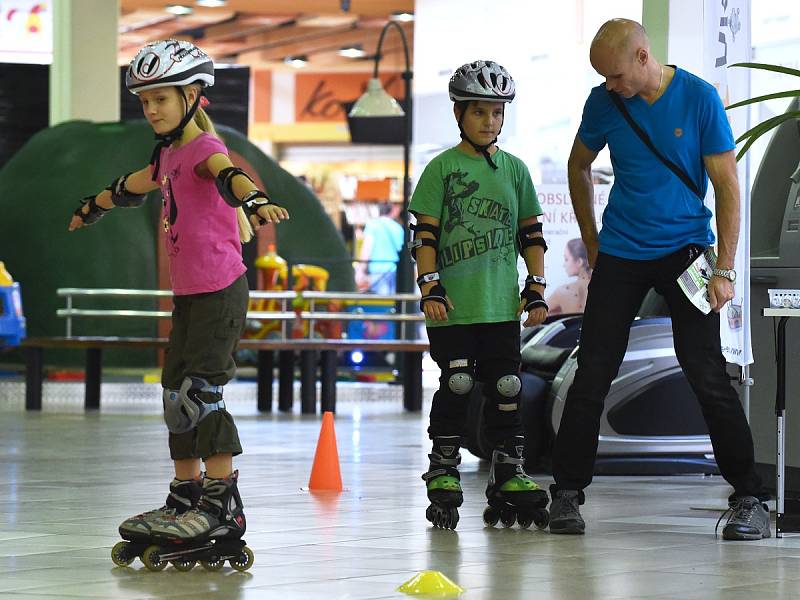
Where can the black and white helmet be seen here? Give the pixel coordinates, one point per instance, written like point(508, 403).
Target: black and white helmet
point(482, 80)
point(167, 63)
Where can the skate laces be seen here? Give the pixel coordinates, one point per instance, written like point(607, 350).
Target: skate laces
point(740, 512)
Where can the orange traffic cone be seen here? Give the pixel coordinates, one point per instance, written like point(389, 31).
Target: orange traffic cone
point(325, 474)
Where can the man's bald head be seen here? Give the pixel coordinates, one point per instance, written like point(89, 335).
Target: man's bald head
point(620, 52)
point(620, 35)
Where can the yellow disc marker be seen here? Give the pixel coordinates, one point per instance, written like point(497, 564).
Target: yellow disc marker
point(430, 583)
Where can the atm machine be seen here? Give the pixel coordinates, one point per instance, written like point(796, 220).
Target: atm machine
point(775, 263)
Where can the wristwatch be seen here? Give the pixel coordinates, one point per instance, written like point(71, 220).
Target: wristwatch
point(538, 279)
point(728, 274)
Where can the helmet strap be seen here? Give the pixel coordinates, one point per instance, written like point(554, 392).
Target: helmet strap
point(480, 148)
point(165, 139)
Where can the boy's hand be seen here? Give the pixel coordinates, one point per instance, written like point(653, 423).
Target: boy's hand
point(536, 316)
point(433, 309)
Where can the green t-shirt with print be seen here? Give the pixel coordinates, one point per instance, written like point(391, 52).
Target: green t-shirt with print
point(479, 210)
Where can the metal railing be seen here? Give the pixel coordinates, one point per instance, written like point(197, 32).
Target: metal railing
point(398, 313)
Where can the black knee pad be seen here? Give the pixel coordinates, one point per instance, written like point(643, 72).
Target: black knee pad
point(458, 377)
point(504, 390)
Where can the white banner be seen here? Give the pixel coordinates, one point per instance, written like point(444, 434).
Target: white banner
point(26, 31)
point(727, 41)
point(566, 266)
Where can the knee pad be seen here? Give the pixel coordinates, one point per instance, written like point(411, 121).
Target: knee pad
point(460, 376)
point(508, 388)
point(184, 408)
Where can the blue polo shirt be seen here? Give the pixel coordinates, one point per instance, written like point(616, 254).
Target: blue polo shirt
point(651, 213)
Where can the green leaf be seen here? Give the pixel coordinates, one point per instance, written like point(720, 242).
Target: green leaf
point(789, 94)
point(765, 126)
point(766, 67)
point(759, 130)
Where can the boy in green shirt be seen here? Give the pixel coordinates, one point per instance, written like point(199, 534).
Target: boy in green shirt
point(476, 210)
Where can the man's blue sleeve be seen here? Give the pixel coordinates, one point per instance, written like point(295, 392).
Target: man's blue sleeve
point(715, 129)
point(591, 131)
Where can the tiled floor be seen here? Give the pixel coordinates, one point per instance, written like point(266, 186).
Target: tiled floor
point(68, 479)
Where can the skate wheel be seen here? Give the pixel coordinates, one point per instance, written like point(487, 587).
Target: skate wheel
point(443, 517)
point(541, 518)
point(491, 516)
point(119, 554)
point(508, 516)
point(244, 561)
point(214, 564)
point(152, 559)
point(525, 520)
point(183, 565)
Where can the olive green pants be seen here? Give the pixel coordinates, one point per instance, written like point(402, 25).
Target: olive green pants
point(205, 331)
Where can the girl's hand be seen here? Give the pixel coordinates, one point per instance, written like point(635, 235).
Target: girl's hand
point(271, 213)
point(76, 222)
point(87, 214)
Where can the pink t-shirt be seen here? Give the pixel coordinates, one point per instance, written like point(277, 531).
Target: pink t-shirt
point(205, 254)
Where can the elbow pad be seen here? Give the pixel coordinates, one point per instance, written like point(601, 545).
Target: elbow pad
point(120, 196)
point(418, 242)
point(224, 182)
point(527, 238)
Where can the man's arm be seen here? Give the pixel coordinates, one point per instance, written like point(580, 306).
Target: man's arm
point(581, 190)
point(722, 173)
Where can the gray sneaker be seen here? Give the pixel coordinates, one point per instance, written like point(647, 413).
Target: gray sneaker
point(748, 520)
point(565, 516)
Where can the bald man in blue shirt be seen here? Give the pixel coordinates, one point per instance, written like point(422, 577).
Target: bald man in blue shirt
point(654, 226)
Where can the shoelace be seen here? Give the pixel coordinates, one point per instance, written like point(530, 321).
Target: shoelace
point(743, 510)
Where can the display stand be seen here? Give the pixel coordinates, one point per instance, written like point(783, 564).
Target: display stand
point(785, 522)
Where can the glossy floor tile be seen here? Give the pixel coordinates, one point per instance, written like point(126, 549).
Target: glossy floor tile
point(67, 479)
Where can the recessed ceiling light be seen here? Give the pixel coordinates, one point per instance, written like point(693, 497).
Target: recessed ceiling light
point(296, 61)
point(355, 51)
point(211, 3)
point(178, 9)
point(402, 17)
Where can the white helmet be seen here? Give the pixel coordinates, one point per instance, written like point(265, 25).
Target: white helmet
point(168, 63)
point(481, 80)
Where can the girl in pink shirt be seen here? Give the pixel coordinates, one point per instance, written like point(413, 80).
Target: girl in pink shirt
point(209, 210)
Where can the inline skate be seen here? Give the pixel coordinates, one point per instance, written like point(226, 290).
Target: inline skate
point(137, 530)
point(210, 533)
point(443, 482)
point(512, 495)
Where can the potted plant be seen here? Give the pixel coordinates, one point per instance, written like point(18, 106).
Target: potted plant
point(752, 134)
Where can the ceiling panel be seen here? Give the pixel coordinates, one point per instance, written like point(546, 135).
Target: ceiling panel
point(264, 32)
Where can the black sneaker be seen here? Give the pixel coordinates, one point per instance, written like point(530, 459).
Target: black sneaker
point(565, 516)
point(748, 520)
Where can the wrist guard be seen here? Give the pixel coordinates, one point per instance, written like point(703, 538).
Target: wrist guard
point(436, 294)
point(95, 212)
point(255, 200)
point(532, 299)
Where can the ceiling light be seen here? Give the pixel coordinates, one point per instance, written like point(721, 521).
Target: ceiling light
point(296, 61)
point(402, 17)
point(211, 3)
point(178, 9)
point(375, 102)
point(355, 51)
